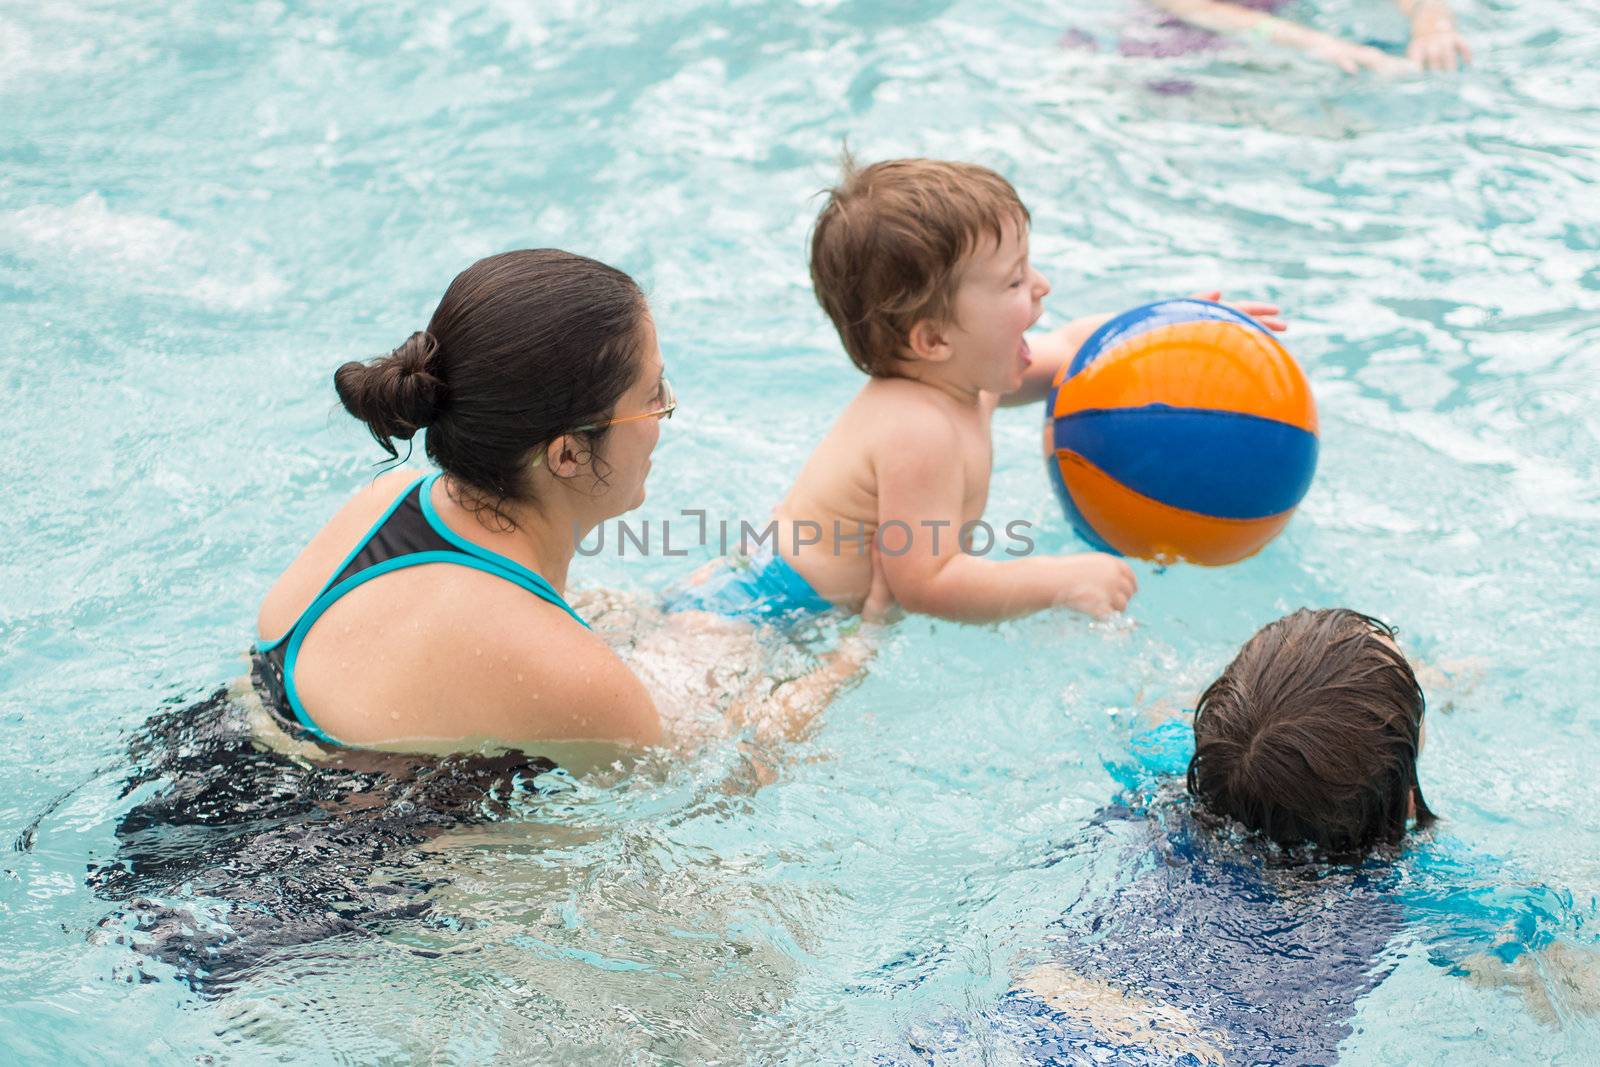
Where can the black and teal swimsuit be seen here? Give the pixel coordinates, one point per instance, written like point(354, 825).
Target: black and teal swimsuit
point(408, 534)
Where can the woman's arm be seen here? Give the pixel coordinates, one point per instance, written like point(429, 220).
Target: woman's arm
point(784, 712)
point(1115, 1015)
point(588, 694)
point(787, 710)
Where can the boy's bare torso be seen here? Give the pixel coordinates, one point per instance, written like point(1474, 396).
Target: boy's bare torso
point(838, 488)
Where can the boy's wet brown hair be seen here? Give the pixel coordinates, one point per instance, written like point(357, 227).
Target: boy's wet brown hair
point(1310, 736)
point(888, 247)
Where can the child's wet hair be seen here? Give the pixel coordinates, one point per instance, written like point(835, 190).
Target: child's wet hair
point(1311, 734)
point(887, 249)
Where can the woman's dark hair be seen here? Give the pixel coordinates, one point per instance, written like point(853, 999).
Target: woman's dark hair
point(1310, 735)
point(523, 347)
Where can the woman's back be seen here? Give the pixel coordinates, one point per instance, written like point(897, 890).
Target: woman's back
point(429, 612)
point(435, 643)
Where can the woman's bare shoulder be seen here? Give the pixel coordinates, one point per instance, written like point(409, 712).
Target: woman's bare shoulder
point(561, 681)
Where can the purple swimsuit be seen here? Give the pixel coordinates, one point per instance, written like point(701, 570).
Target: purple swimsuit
point(1169, 36)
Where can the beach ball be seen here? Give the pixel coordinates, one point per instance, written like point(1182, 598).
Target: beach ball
point(1182, 430)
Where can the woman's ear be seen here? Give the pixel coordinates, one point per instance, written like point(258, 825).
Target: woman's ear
point(562, 456)
point(927, 341)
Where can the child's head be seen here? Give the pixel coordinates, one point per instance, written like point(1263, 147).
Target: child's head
point(1311, 734)
point(922, 263)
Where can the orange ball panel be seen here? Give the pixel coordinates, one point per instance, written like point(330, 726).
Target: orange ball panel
point(1219, 366)
point(1137, 526)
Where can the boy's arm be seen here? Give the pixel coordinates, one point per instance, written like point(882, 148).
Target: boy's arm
point(1054, 350)
point(1557, 982)
point(920, 494)
point(1243, 21)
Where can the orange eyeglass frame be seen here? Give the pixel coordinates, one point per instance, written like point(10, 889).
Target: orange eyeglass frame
point(664, 412)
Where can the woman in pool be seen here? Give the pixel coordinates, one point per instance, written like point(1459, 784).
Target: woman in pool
point(431, 612)
point(430, 615)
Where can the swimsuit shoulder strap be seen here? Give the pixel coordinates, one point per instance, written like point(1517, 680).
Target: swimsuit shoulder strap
point(409, 533)
point(506, 567)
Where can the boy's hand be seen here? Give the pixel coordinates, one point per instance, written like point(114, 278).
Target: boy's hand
point(1268, 315)
point(1053, 350)
point(1096, 584)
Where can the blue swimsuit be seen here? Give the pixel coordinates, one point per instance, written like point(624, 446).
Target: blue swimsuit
point(408, 534)
point(763, 587)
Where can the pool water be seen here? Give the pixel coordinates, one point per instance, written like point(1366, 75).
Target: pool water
point(205, 207)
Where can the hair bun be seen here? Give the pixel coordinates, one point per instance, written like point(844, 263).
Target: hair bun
point(395, 395)
point(416, 353)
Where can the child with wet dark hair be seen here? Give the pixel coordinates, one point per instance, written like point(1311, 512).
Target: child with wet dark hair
point(1311, 735)
point(1245, 921)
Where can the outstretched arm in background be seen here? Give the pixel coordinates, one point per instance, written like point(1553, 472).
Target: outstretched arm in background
point(1237, 21)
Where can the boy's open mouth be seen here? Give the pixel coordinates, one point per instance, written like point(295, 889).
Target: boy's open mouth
point(1025, 352)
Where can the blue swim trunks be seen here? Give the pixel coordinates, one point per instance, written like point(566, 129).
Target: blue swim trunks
point(759, 588)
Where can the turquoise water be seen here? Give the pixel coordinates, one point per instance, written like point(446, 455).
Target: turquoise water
point(205, 207)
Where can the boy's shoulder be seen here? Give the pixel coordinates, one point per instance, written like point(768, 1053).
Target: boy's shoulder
point(902, 406)
point(913, 428)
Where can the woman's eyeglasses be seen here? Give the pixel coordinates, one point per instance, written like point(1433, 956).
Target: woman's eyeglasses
point(669, 404)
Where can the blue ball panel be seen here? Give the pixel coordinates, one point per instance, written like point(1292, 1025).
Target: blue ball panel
point(1150, 316)
point(1217, 463)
